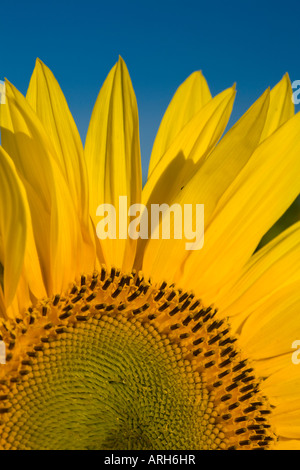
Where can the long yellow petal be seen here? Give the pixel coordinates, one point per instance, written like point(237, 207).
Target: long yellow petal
point(190, 97)
point(273, 326)
point(3, 312)
point(13, 226)
point(23, 297)
point(270, 338)
point(113, 160)
point(207, 186)
point(185, 155)
point(287, 444)
point(193, 143)
point(261, 193)
point(282, 389)
point(271, 268)
point(281, 107)
point(46, 98)
point(55, 223)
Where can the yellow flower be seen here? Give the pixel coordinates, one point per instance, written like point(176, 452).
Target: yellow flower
point(139, 343)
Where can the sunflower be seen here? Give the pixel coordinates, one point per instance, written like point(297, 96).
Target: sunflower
point(136, 343)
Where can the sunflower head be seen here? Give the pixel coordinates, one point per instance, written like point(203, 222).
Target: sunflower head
point(136, 342)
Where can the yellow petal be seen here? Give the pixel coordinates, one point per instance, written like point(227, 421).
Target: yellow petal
point(281, 107)
point(283, 389)
point(190, 97)
point(193, 143)
point(288, 425)
point(269, 366)
point(55, 223)
point(269, 269)
point(273, 326)
point(46, 98)
point(287, 444)
point(13, 226)
point(3, 312)
point(185, 155)
point(113, 160)
point(23, 297)
point(261, 193)
point(270, 338)
point(207, 187)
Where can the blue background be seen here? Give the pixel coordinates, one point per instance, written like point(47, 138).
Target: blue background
point(252, 43)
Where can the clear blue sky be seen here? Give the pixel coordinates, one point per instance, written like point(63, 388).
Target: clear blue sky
point(252, 43)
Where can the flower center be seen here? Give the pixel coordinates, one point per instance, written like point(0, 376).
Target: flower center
point(117, 363)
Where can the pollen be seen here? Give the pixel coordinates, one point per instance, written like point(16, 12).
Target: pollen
point(117, 362)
